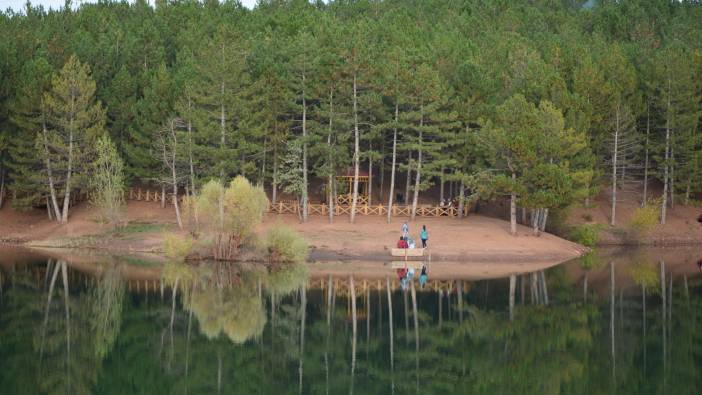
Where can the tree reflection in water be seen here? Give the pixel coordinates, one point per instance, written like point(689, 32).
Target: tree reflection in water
point(215, 332)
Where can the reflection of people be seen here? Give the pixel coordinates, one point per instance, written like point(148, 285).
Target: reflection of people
point(401, 273)
point(699, 264)
point(402, 243)
point(423, 277)
point(410, 273)
point(424, 235)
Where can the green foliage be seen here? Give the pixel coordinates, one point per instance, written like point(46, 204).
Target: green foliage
point(284, 245)
point(646, 274)
point(229, 216)
point(107, 299)
point(586, 234)
point(177, 248)
point(107, 181)
point(645, 218)
point(287, 279)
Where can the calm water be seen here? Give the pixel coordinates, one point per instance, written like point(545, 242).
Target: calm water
point(601, 325)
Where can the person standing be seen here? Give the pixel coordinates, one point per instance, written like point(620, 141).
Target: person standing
point(424, 235)
point(405, 230)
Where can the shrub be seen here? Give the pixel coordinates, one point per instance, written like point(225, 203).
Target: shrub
point(107, 181)
point(645, 218)
point(587, 217)
point(286, 280)
point(229, 215)
point(587, 234)
point(284, 245)
point(646, 275)
point(177, 248)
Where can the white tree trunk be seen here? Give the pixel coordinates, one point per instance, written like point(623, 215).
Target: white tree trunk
point(190, 149)
point(69, 172)
point(461, 200)
point(304, 154)
point(274, 185)
point(409, 178)
point(615, 154)
point(50, 174)
point(512, 288)
point(664, 204)
point(370, 180)
point(645, 182)
point(394, 161)
point(330, 182)
point(513, 209)
point(417, 177)
point(356, 151)
point(441, 183)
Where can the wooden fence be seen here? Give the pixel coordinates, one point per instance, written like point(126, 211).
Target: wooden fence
point(293, 207)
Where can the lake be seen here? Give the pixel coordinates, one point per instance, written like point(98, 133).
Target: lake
point(615, 322)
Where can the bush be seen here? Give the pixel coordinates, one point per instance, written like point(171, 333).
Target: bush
point(107, 181)
point(284, 245)
point(587, 234)
point(229, 216)
point(177, 248)
point(645, 218)
point(286, 280)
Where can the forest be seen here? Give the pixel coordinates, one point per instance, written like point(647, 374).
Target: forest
point(543, 103)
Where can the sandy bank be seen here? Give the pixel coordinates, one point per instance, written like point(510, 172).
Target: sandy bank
point(475, 240)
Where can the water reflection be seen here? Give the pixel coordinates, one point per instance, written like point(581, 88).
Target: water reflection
point(616, 323)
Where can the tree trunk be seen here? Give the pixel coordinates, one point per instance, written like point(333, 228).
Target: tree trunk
point(461, 200)
point(330, 159)
point(441, 183)
point(49, 170)
point(612, 220)
point(175, 191)
point(190, 149)
point(356, 150)
point(303, 313)
point(672, 174)
point(304, 154)
point(382, 172)
point(370, 179)
point(163, 196)
point(392, 338)
point(419, 166)
point(67, 195)
point(644, 198)
point(274, 185)
point(664, 204)
point(409, 178)
point(513, 209)
point(355, 328)
point(2, 187)
point(394, 161)
point(512, 287)
point(611, 315)
point(416, 333)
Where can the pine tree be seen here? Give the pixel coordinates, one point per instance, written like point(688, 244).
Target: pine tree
point(75, 121)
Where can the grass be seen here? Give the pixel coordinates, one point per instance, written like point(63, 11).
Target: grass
point(135, 229)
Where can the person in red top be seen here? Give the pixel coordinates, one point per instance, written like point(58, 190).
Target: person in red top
point(402, 243)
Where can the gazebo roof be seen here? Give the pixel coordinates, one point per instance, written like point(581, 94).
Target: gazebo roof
point(350, 173)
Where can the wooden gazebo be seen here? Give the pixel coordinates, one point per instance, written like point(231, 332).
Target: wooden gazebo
point(347, 178)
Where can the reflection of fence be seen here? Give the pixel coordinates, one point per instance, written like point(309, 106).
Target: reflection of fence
point(292, 207)
point(341, 286)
